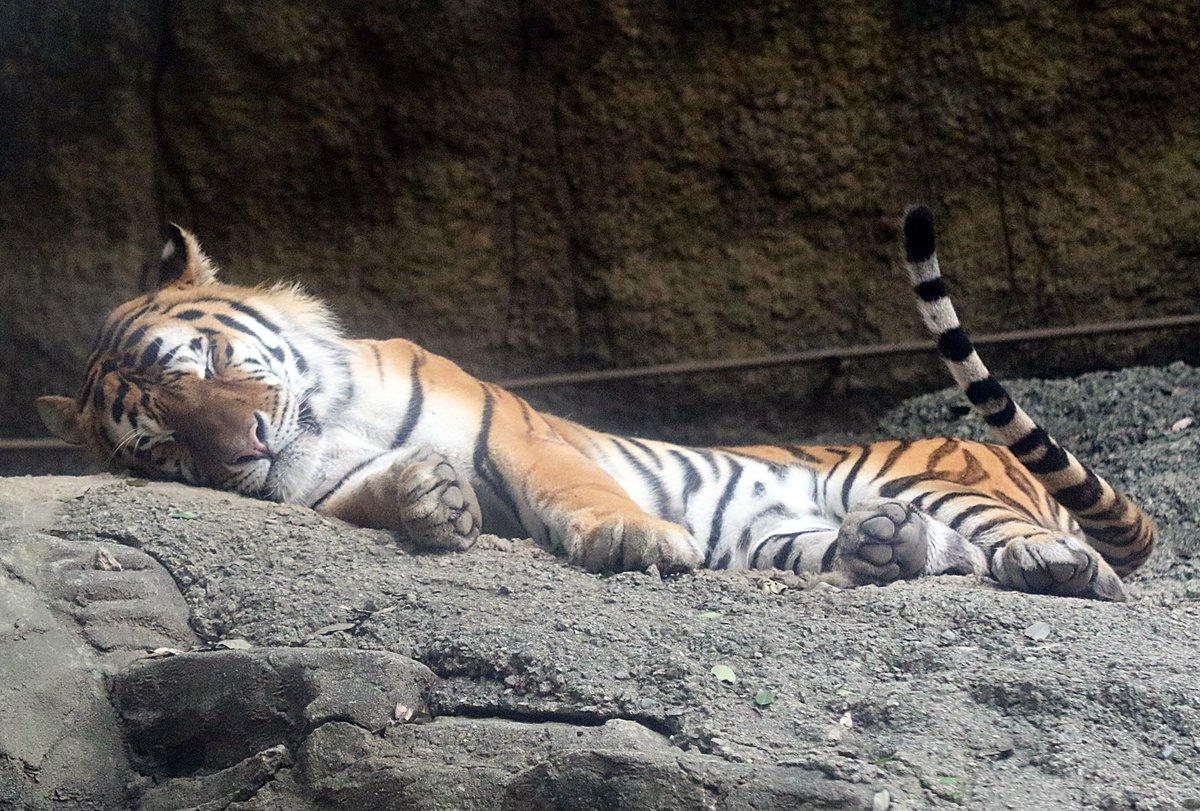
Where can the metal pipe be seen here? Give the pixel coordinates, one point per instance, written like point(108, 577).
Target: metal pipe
point(695, 367)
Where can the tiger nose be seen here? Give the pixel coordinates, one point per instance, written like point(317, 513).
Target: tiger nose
point(256, 444)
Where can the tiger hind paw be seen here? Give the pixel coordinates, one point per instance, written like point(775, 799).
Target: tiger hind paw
point(1064, 565)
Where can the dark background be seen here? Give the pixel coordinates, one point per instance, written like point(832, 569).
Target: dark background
point(543, 185)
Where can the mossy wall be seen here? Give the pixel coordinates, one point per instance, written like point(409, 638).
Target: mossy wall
point(540, 185)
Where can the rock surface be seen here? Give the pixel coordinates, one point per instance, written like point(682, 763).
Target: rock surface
point(544, 184)
point(373, 676)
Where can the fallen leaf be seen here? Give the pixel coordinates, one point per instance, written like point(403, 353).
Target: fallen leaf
point(764, 698)
point(186, 515)
point(771, 586)
point(1182, 425)
point(724, 673)
point(401, 714)
point(105, 561)
point(709, 615)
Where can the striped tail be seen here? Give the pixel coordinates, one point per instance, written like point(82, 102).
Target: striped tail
point(1115, 526)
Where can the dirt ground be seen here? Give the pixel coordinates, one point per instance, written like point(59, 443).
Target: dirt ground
point(942, 692)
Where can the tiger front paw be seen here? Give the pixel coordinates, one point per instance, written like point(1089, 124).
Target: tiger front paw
point(438, 506)
point(631, 543)
point(881, 542)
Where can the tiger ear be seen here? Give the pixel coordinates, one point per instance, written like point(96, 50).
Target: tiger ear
point(183, 264)
point(62, 418)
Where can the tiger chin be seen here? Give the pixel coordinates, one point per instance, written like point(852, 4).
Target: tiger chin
point(257, 390)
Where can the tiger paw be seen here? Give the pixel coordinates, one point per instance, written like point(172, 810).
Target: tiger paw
point(1062, 565)
point(624, 543)
point(438, 506)
point(881, 542)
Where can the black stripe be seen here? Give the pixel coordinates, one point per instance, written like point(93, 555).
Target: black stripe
point(919, 240)
point(962, 517)
point(830, 554)
point(930, 291)
point(1036, 438)
point(723, 562)
point(652, 453)
point(113, 339)
point(691, 477)
point(945, 498)
point(852, 475)
point(242, 327)
point(714, 532)
point(647, 476)
point(526, 414)
point(898, 486)
point(344, 478)
point(782, 554)
point(985, 391)
point(988, 526)
point(135, 335)
point(800, 453)
point(1080, 496)
point(416, 402)
point(844, 454)
point(118, 406)
point(246, 309)
point(190, 315)
point(482, 458)
point(892, 458)
point(953, 344)
point(1001, 418)
point(1052, 461)
point(378, 360)
point(150, 354)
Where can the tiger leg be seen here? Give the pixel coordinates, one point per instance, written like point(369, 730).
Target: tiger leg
point(1022, 552)
point(1044, 562)
point(570, 501)
point(878, 542)
point(417, 494)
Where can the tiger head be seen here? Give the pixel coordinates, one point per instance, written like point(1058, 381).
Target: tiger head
point(209, 383)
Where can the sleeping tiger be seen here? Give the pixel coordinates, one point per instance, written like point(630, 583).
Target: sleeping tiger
point(256, 390)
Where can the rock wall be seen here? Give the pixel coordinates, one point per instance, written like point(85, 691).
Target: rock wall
point(538, 185)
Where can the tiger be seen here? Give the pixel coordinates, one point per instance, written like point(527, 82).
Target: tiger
point(258, 391)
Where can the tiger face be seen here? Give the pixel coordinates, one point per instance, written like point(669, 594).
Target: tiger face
point(205, 383)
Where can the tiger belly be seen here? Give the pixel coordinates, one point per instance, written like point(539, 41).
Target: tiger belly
point(745, 512)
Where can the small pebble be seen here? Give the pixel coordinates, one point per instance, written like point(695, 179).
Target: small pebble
point(949, 636)
point(1038, 632)
point(882, 801)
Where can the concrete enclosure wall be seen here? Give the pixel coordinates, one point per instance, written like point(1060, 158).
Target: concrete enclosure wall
point(539, 185)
